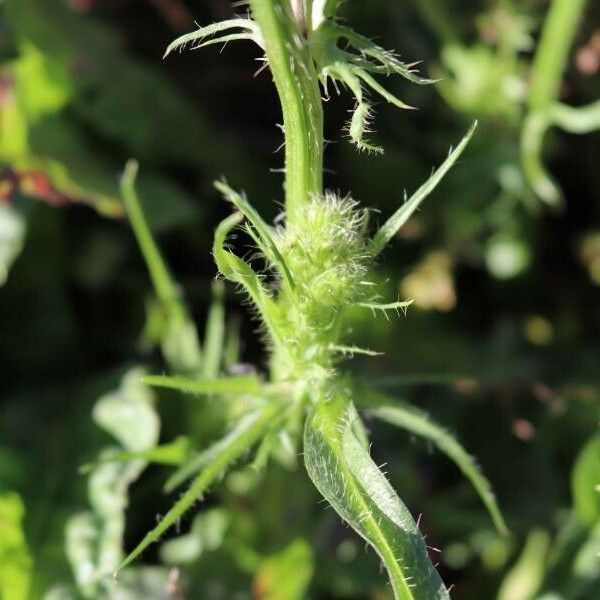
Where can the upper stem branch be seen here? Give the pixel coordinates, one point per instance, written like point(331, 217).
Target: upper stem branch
point(297, 84)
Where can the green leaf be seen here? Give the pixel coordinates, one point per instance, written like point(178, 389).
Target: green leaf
point(128, 413)
point(227, 453)
point(523, 581)
point(242, 384)
point(267, 243)
point(180, 340)
point(173, 453)
point(206, 535)
point(396, 306)
point(419, 423)
point(252, 32)
point(399, 218)
point(214, 336)
point(586, 482)
point(344, 473)
point(15, 559)
point(245, 428)
point(94, 538)
point(286, 575)
point(238, 271)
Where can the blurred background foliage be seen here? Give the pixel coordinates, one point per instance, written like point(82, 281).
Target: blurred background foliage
point(502, 342)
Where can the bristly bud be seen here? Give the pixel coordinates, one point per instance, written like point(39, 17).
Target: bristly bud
point(328, 253)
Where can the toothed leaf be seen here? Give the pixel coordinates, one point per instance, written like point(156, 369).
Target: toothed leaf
point(224, 454)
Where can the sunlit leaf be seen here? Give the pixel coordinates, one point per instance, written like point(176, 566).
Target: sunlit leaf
point(344, 473)
point(242, 384)
point(94, 538)
point(389, 229)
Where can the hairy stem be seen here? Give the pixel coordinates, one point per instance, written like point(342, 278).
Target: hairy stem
point(297, 84)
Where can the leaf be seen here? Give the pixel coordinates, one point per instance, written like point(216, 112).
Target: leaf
point(385, 61)
point(238, 271)
point(173, 453)
point(94, 539)
point(397, 306)
point(252, 33)
point(128, 413)
point(242, 384)
point(267, 243)
point(227, 453)
point(244, 428)
point(585, 482)
point(523, 581)
point(180, 341)
point(15, 559)
point(399, 218)
point(344, 473)
point(214, 336)
point(206, 535)
point(419, 423)
point(286, 575)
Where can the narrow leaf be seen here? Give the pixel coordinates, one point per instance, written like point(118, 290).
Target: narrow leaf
point(416, 421)
point(344, 473)
point(351, 350)
point(203, 32)
point(199, 461)
point(214, 336)
point(397, 306)
point(268, 245)
point(244, 384)
point(180, 344)
point(173, 453)
point(225, 453)
point(399, 218)
point(238, 271)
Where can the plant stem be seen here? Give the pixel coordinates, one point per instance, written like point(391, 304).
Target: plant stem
point(553, 51)
point(297, 84)
point(549, 64)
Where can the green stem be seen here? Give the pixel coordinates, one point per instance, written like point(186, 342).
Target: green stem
point(549, 64)
point(297, 84)
point(553, 51)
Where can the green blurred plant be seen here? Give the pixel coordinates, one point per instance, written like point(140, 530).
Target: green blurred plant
point(15, 559)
